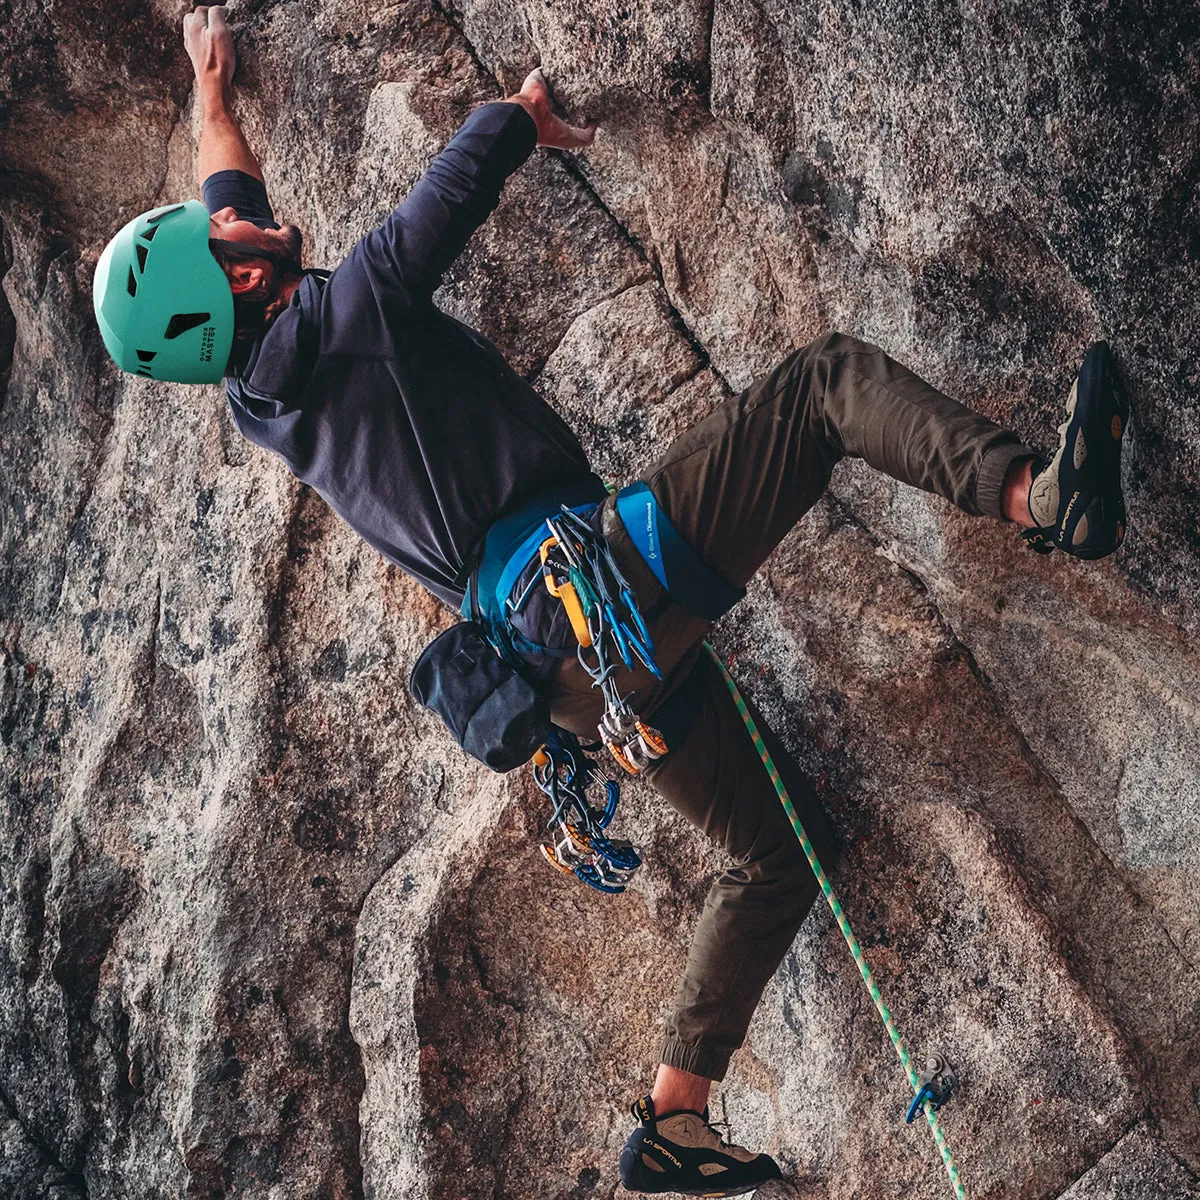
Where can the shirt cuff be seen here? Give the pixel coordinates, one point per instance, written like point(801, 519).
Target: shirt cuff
point(236, 189)
point(514, 130)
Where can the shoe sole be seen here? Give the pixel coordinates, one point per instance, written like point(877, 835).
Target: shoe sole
point(1100, 413)
point(707, 1190)
point(708, 1195)
point(741, 1191)
point(745, 1190)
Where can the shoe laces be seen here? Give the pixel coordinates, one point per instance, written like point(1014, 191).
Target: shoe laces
point(716, 1127)
point(722, 1124)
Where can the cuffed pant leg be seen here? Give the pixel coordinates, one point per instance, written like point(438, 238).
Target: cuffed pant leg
point(716, 779)
point(879, 411)
point(736, 483)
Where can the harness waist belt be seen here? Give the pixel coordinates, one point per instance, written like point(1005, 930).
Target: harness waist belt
point(690, 581)
point(513, 540)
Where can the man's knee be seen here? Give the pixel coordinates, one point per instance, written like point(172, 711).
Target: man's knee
point(835, 344)
point(780, 881)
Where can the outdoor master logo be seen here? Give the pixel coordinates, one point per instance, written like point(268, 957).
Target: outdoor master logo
point(207, 340)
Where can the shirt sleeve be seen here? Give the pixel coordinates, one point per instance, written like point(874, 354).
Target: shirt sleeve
point(459, 191)
point(235, 189)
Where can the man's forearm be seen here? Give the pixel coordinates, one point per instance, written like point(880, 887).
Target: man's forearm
point(223, 146)
point(209, 44)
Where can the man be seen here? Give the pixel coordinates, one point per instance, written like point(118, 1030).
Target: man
point(416, 431)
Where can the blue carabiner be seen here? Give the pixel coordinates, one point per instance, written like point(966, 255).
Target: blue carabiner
point(632, 606)
point(618, 636)
point(623, 858)
point(918, 1102)
point(647, 656)
point(612, 793)
point(591, 877)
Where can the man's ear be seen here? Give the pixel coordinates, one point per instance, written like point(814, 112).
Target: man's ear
point(244, 277)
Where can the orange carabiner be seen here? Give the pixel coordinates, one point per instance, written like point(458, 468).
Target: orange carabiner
point(652, 738)
point(565, 592)
point(552, 859)
point(622, 758)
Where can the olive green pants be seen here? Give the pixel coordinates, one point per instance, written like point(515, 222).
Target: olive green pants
point(733, 486)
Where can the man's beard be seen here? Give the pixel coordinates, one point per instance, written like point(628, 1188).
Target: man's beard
point(293, 243)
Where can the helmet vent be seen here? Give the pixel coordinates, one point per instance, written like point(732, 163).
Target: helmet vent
point(144, 370)
point(182, 322)
point(141, 253)
point(132, 284)
point(146, 355)
point(155, 220)
point(149, 234)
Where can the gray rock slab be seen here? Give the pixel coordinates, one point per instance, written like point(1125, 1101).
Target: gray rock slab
point(263, 933)
point(1137, 1168)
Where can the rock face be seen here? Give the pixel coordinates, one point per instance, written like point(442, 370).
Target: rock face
point(266, 933)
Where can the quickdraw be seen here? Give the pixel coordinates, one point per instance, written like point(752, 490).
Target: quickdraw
point(579, 845)
point(937, 1086)
point(578, 568)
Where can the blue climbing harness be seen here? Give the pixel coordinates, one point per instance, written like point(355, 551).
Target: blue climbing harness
point(579, 569)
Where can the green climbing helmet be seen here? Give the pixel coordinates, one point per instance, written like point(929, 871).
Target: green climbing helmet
point(162, 301)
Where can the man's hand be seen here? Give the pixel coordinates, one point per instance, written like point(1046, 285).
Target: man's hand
point(209, 44)
point(534, 98)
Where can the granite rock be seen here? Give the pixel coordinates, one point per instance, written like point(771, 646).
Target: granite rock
point(265, 933)
point(1136, 1168)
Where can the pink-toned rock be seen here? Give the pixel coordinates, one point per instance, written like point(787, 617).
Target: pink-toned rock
point(266, 934)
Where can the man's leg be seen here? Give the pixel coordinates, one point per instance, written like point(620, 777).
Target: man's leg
point(736, 483)
point(715, 778)
point(733, 487)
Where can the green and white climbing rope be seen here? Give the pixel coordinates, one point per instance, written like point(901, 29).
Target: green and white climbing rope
point(843, 924)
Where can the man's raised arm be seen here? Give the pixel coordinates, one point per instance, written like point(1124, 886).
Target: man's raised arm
point(462, 186)
point(210, 47)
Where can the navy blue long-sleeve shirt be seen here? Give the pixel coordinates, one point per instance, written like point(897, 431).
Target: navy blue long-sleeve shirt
point(410, 424)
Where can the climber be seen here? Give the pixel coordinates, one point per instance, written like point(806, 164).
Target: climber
point(415, 430)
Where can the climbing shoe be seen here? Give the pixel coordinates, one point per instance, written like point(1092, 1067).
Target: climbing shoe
point(681, 1152)
point(1076, 499)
